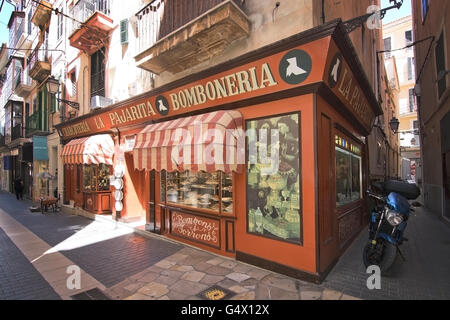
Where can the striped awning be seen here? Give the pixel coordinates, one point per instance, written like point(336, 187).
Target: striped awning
point(90, 150)
point(209, 142)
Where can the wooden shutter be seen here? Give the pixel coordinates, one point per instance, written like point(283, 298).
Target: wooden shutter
point(124, 31)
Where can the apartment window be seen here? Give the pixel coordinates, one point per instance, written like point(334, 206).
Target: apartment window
point(60, 23)
point(411, 73)
point(30, 15)
point(440, 65)
point(412, 100)
point(98, 73)
point(387, 46)
point(424, 9)
point(415, 125)
point(73, 82)
point(408, 37)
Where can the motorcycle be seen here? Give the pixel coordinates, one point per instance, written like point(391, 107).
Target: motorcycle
point(388, 221)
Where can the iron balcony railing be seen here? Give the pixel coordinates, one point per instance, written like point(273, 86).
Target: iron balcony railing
point(85, 8)
point(161, 17)
point(38, 55)
point(22, 78)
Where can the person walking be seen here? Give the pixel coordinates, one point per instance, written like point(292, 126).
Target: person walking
point(18, 188)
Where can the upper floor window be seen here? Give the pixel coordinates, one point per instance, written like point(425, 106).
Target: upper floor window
point(60, 23)
point(387, 46)
point(440, 65)
point(411, 73)
point(424, 9)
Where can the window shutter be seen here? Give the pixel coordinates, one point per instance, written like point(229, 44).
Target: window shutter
point(124, 31)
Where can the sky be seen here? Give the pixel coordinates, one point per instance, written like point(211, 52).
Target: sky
point(5, 14)
point(395, 14)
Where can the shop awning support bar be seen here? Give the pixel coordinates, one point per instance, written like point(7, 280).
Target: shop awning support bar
point(353, 24)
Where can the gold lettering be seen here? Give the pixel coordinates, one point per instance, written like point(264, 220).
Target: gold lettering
point(266, 76)
point(135, 112)
point(254, 78)
point(242, 78)
point(231, 84)
point(175, 103)
point(210, 91)
point(191, 97)
point(201, 94)
point(220, 88)
point(150, 109)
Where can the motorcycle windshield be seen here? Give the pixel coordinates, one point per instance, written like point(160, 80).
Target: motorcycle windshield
point(398, 203)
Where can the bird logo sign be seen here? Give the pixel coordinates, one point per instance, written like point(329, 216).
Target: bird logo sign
point(334, 73)
point(295, 67)
point(162, 105)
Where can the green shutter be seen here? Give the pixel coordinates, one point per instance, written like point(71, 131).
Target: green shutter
point(124, 31)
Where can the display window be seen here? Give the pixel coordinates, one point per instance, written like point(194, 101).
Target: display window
point(201, 190)
point(348, 172)
point(96, 178)
point(273, 184)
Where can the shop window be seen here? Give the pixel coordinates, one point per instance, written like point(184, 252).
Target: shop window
point(273, 196)
point(202, 190)
point(96, 177)
point(348, 172)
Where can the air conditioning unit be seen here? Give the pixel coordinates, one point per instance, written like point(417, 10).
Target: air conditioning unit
point(98, 102)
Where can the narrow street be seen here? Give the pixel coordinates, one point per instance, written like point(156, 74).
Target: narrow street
point(36, 249)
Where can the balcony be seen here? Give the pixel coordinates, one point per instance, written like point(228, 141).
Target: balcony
point(39, 66)
point(17, 133)
point(409, 139)
point(36, 125)
point(97, 25)
point(178, 34)
point(23, 84)
point(42, 15)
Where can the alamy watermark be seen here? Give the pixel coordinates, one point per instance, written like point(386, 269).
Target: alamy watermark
point(73, 282)
point(374, 280)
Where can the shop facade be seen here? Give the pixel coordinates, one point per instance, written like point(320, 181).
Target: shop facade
point(263, 158)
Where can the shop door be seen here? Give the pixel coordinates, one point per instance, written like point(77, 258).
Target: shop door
point(152, 203)
point(328, 243)
point(446, 162)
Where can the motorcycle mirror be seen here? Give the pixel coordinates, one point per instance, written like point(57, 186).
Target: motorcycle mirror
point(416, 204)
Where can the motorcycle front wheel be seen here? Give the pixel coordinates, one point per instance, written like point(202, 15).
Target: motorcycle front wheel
point(382, 254)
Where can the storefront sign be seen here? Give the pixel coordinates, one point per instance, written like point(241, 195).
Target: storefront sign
point(40, 149)
point(298, 66)
point(345, 85)
point(295, 67)
point(14, 152)
point(195, 228)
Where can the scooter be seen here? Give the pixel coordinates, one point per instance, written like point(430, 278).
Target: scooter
point(388, 222)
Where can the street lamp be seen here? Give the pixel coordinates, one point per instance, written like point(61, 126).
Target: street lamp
point(53, 87)
point(394, 124)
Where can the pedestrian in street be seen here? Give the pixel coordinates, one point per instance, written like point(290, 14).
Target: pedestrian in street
point(18, 188)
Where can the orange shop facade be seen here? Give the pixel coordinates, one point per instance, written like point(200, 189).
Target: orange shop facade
point(262, 158)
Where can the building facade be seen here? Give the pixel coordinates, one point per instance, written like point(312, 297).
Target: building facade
point(396, 35)
point(133, 77)
point(431, 19)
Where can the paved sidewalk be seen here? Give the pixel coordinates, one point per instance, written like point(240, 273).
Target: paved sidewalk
point(126, 265)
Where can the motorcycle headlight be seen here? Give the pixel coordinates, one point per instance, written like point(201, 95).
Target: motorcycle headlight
point(394, 218)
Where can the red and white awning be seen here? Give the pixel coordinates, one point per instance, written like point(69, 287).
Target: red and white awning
point(90, 150)
point(209, 142)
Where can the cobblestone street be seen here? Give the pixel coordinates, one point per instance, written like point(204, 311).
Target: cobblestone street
point(36, 249)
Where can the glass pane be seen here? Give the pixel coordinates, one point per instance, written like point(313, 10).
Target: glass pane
point(273, 196)
point(163, 186)
point(227, 193)
point(87, 178)
point(103, 177)
point(343, 177)
point(198, 190)
point(356, 178)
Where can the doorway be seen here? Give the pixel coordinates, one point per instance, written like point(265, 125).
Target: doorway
point(446, 163)
point(151, 224)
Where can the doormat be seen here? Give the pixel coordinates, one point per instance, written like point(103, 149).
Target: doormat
point(216, 293)
point(93, 294)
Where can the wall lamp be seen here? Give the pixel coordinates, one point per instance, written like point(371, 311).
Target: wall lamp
point(53, 87)
point(394, 124)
